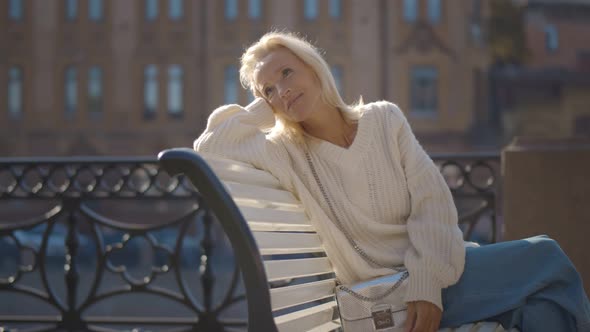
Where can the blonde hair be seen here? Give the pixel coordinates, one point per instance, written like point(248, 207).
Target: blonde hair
point(312, 57)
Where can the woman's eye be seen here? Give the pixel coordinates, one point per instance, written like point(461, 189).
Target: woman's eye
point(287, 71)
point(267, 91)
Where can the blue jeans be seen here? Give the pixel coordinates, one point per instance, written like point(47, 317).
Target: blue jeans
point(529, 284)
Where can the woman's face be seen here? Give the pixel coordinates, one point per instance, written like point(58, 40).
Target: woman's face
point(288, 84)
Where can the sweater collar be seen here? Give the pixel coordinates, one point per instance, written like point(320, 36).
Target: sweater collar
point(351, 155)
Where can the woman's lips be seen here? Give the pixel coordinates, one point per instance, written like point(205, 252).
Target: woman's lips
point(294, 101)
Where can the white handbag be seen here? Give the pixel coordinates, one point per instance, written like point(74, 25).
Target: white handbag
point(370, 305)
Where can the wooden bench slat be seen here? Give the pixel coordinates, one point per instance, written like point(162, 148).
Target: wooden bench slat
point(257, 226)
point(297, 268)
point(231, 170)
point(306, 319)
point(287, 243)
point(244, 201)
point(271, 215)
point(289, 296)
point(326, 327)
point(261, 196)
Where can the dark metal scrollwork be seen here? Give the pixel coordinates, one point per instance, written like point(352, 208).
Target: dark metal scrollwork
point(82, 229)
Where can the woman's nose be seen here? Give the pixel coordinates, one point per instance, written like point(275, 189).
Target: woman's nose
point(284, 92)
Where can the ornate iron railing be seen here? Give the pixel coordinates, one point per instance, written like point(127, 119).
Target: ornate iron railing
point(475, 182)
point(87, 214)
point(80, 199)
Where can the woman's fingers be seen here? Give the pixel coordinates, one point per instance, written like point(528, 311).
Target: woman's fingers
point(425, 317)
point(411, 319)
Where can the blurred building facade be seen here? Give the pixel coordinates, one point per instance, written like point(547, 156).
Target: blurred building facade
point(106, 77)
point(549, 96)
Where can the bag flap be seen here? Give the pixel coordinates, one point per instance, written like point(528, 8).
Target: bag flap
point(353, 308)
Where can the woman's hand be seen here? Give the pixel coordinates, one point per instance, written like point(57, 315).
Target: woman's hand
point(423, 316)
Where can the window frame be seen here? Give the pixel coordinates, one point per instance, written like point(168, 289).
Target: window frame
point(231, 10)
point(89, 94)
point(171, 83)
point(230, 81)
point(74, 5)
point(20, 12)
point(71, 90)
point(181, 15)
point(150, 82)
point(20, 82)
point(148, 5)
point(413, 15)
point(311, 10)
point(420, 106)
point(551, 37)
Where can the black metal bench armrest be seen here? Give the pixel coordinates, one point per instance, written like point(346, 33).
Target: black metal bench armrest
point(186, 161)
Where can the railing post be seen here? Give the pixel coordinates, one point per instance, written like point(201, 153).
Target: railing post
point(72, 320)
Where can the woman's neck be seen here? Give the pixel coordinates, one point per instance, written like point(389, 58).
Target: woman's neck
point(328, 124)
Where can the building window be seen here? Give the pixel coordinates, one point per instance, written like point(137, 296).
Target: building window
point(95, 91)
point(310, 9)
point(410, 10)
point(175, 88)
point(335, 8)
point(15, 91)
point(150, 91)
point(95, 10)
point(337, 73)
point(71, 9)
point(71, 91)
point(434, 11)
point(551, 38)
point(424, 96)
point(255, 9)
point(151, 10)
point(231, 9)
point(230, 84)
point(15, 10)
point(175, 9)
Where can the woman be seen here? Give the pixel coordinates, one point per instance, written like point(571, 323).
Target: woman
point(390, 198)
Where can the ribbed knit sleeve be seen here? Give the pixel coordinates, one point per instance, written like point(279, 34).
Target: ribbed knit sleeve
point(436, 256)
point(238, 133)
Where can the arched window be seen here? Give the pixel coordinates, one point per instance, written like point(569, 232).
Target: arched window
point(424, 90)
point(71, 10)
point(231, 84)
point(335, 8)
point(15, 91)
point(95, 10)
point(175, 9)
point(310, 9)
point(255, 9)
point(434, 11)
point(71, 90)
point(410, 10)
point(150, 91)
point(15, 10)
point(151, 10)
point(551, 38)
point(95, 93)
point(175, 89)
point(231, 9)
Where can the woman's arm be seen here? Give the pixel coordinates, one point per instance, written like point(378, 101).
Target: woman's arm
point(239, 133)
point(436, 256)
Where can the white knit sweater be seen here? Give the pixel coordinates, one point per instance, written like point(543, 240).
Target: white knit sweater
point(389, 194)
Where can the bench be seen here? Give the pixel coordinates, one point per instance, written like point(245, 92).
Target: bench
point(289, 281)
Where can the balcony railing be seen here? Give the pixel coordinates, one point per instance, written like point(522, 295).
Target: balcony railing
point(108, 244)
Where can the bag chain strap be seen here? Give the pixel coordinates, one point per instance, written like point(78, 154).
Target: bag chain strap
point(361, 297)
point(361, 252)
